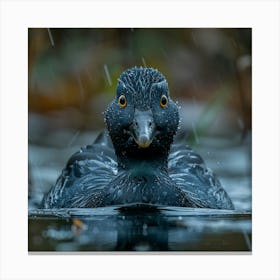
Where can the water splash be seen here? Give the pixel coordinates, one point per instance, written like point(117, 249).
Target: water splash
point(108, 77)
point(51, 37)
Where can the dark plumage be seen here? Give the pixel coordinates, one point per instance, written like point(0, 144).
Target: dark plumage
point(138, 163)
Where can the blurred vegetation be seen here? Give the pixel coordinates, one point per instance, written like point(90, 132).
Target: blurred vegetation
point(73, 73)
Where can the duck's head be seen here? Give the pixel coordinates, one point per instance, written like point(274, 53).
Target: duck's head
point(142, 119)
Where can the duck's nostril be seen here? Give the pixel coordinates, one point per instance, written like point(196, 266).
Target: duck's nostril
point(136, 124)
point(150, 123)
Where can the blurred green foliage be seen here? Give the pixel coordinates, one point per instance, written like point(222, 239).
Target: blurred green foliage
point(78, 68)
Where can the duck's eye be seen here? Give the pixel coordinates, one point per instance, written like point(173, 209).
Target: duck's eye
point(122, 101)
point(163, 101)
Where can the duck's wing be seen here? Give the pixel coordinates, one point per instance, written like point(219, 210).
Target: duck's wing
point(187, 169)
point(87, 172)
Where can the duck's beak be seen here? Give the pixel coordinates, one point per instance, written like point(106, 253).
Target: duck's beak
point(143, 128)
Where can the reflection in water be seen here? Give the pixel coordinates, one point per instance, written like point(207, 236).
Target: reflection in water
point(139, 229)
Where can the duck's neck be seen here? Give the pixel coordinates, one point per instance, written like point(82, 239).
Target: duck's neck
point(142, 167)
point(146, 162)
point(154, 157)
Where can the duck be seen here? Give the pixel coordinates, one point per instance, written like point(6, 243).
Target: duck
point(135, 160)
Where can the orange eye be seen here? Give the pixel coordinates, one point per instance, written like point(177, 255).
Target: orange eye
point(163, 101)
point(122, 101)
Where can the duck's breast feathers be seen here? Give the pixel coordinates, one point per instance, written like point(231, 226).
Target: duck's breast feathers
point(187, 169)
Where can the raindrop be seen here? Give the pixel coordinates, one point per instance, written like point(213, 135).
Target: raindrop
point(144, 62)
point(51, 37)
point(247, 240)
point(194, 38)
point(37, 175)
point(240, 123)
point(164, 53)
point(194, 101)
point(89, 75)
point(144, 230)
point(234, 43)
point(73, 138)
point(195, 133)
point(108, 77)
